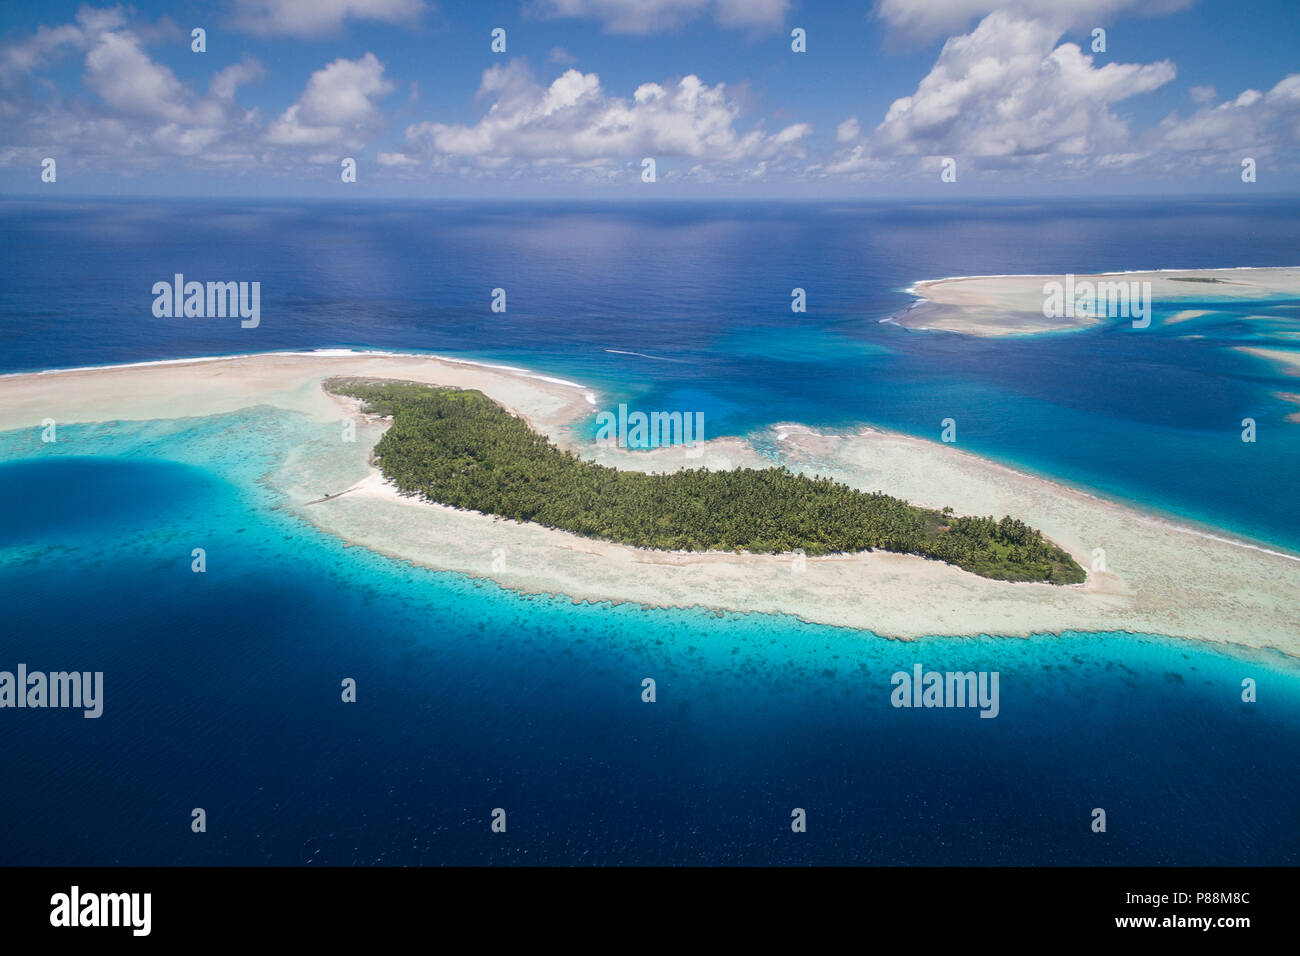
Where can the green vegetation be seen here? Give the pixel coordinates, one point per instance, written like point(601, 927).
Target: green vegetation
point(459, 448)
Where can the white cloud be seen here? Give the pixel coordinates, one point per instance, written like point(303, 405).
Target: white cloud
point(135, 86)
point(657, 16)
point(317, 18)
point(43, 48)
point(573, 120)
point(853, 161)
point(751, 14)
point(1253, 124)
point(143, 108)
point(226, 82)
point(936, 18)
point(1006, 96)
point(185, 141)
point(848, 131)
point(125, 78)
point(337, 107)
point(1006, 90)
point(140, 109)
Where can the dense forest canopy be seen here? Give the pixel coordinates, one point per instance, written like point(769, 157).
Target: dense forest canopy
point(460, 448)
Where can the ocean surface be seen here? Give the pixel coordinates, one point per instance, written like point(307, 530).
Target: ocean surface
point(223, 688)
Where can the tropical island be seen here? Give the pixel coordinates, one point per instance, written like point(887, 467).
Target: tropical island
point(1161, 576)
point(458, 447)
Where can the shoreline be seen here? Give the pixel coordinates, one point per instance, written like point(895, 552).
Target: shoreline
point(306, 353)
point(1159, 578)
point(992, 306)
point(1265, 654)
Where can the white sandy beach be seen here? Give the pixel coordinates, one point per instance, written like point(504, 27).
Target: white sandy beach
point(1160, 578)
point(1013, 305)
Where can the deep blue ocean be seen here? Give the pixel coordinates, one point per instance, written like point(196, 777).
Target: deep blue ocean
point(222, 689)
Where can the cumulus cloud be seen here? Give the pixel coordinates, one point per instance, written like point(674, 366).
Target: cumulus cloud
point(48, 44)
point(137, 108)
point(935, 18)
point(127, 79)
point(1007, 90)
point(312, 19)
point(1253, 124)
point(138, 105)
point(656, 16)
point(337, 107)
point(574, 120)
point(1010, 96)
point(226, 82)
point(853, 161)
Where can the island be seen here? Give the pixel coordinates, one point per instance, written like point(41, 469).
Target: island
point(995, 306)
point(1147, 573)
point(457, 447)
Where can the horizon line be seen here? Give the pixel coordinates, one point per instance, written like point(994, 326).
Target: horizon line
point(693, 200)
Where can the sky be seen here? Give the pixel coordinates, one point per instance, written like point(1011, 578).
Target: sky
point(891, 98)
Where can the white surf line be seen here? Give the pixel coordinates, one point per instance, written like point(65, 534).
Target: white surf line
point(654, 358)
point(1152, 519)
point(122, 365)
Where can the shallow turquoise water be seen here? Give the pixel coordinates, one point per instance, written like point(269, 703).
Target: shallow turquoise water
point(222, 692)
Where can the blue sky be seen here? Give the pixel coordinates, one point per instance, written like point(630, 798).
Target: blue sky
point(1011, 93)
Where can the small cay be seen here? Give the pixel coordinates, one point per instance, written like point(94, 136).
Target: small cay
point(459, 448)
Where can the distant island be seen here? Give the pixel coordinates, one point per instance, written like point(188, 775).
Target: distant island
point(457, 447)
point(995, 306)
